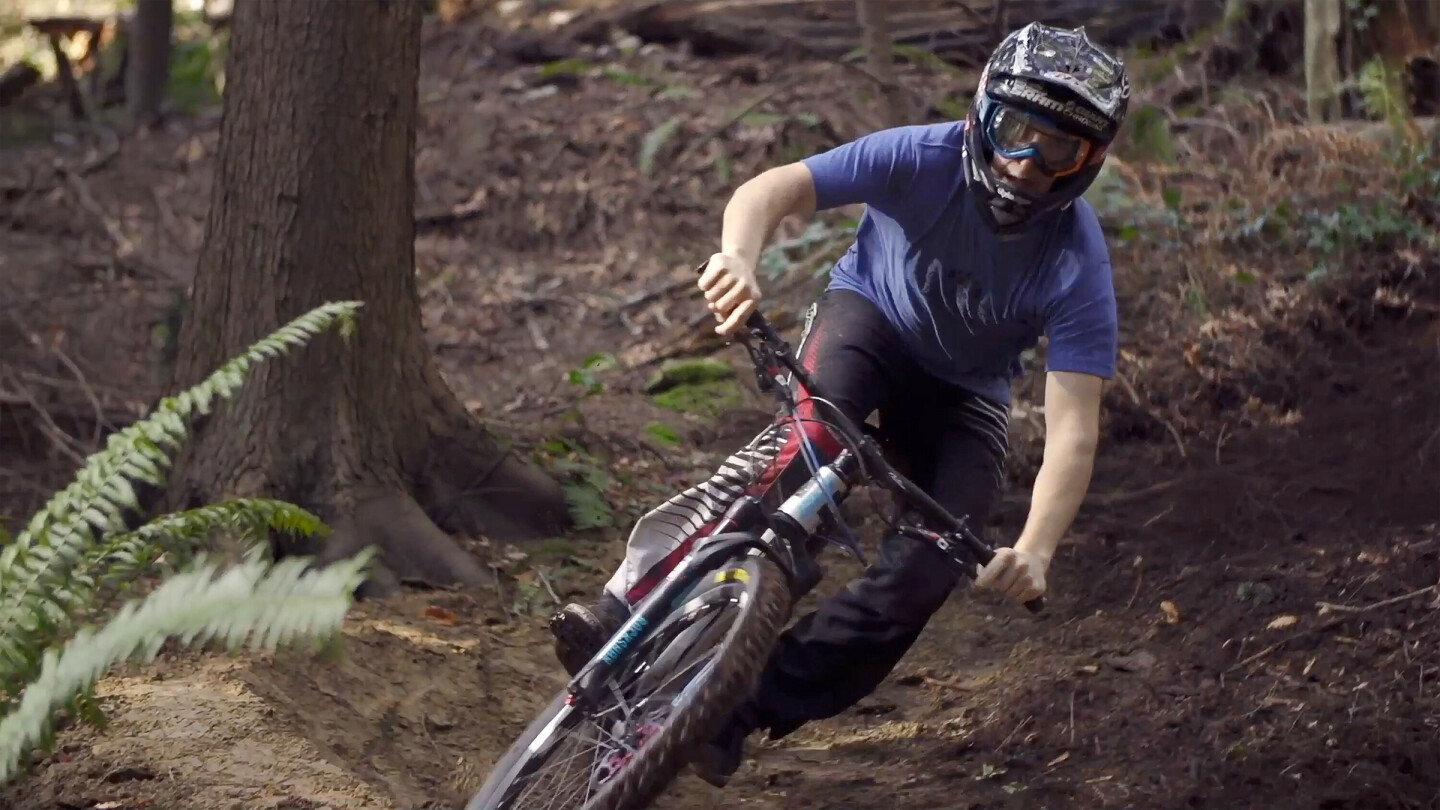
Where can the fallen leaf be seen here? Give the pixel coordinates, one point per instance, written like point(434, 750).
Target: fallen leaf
point(442, 615)
point(1057, 760)
point(1089, 669)
point(1172, 613)
point(1282, 622)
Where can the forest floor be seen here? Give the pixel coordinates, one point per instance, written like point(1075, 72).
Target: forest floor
point(1243, 616)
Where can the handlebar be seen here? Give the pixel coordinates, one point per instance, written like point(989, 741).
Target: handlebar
point(772, 353)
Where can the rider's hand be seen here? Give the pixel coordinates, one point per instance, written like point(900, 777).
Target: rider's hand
point(1015, 574)
point(730, 291)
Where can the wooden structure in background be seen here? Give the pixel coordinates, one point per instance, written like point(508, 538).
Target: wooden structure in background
point(960, 32)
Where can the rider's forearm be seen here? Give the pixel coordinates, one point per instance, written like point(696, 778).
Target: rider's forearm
point(1060, 486)
point(757, 207)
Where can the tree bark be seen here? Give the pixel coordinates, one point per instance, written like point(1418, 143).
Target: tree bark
point(880, 58)
point(147, 75)
point(1322, 60)
point(313, 201)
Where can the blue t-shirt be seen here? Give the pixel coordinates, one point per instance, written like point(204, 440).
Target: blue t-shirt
point(966, 301)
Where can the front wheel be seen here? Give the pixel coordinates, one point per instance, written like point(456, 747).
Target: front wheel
point(671, 692)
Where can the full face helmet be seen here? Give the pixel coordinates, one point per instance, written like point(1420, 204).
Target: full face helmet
point(1051, 95)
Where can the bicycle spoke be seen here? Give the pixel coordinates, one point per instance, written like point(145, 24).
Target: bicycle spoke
point(586, 751)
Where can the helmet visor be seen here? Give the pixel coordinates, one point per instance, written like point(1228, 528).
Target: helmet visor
point(1017, 134)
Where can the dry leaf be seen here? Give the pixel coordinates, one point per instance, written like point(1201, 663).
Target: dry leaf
point(1089, 669)
point(442, 615)
point(1057, 760)
point(1172, 613)
point(1282, 622)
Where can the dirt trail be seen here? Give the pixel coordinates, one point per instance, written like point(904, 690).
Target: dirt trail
point(1108, 699)
point(1183, 661)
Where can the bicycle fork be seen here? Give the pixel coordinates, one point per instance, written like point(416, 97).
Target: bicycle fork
point(738, 532)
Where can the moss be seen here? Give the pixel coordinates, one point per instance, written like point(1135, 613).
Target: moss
point(705, 399)
point(674, 373)
point(663, 433)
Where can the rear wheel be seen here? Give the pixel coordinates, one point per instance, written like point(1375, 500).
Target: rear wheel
point(671, 692)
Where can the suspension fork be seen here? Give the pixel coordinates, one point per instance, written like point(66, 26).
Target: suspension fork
point(739, 531)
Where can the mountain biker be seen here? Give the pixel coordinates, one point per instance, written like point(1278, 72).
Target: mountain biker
point(974, 242)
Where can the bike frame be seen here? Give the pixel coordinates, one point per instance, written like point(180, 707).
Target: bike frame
point(783, 534)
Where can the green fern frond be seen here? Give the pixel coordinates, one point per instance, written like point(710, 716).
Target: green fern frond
point(256, 603)
point(35, 568)
point(130, 553)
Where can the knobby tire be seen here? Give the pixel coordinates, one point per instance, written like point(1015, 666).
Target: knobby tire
point(736, 670)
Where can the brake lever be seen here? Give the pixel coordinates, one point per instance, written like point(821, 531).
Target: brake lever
point(762, 330)
point(962, 555)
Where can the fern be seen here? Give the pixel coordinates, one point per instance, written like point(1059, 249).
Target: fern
point(262, 604)
point(75, 553)
point(129, 554)
point(36, 569)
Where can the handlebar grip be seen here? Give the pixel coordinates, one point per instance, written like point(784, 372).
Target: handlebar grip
point(757, 323)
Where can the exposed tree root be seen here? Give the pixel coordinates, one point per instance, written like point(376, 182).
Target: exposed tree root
point(413, 548)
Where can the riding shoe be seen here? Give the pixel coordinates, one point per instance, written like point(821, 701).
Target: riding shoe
point(718, 760)
point(581, 630)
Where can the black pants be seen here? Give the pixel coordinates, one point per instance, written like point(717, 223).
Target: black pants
point(950, 442)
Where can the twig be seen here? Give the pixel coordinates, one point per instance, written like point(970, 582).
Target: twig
point(548, 587)
point(113, 416)
point(970, 12)
point(468, 210)
point(1374, 605)
point(1009, 736)
point(25, 480)
point(535, 334)
point(500, 596)
point(1147, 524)
point(1277, 645)
point(1109, 498)
point(101, 423)
point(646, 296)
point(168, 220)
point(52, 431)
point(502, 641)
point(87, 201)
point(1129, 388)
point(1180, 443)
point(1257, 656)
point(104, 156)
point(1207, 122)
point(1072, 711)
point(694, 146)
point(1139, 578)
point(802, 44)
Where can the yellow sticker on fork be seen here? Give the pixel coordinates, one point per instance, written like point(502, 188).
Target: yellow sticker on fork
point(732, 575)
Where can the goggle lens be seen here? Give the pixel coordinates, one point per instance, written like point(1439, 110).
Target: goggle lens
point(1017, 134)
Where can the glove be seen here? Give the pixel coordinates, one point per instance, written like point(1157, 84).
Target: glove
point(1015, 574)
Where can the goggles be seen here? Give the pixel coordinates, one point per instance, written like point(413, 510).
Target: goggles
point(1016, 134)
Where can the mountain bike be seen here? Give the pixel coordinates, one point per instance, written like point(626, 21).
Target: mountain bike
point(693, 649)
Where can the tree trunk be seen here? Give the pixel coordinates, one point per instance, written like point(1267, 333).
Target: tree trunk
point(1322, 60)
point(148, 73)
point(313, 201)
point(880, 58)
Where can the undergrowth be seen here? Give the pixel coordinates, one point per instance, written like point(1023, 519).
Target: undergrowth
point(77, 557)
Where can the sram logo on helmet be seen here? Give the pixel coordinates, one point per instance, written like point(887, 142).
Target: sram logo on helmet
point(1074, 112)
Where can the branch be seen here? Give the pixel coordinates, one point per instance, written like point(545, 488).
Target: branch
point(1372, 606)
